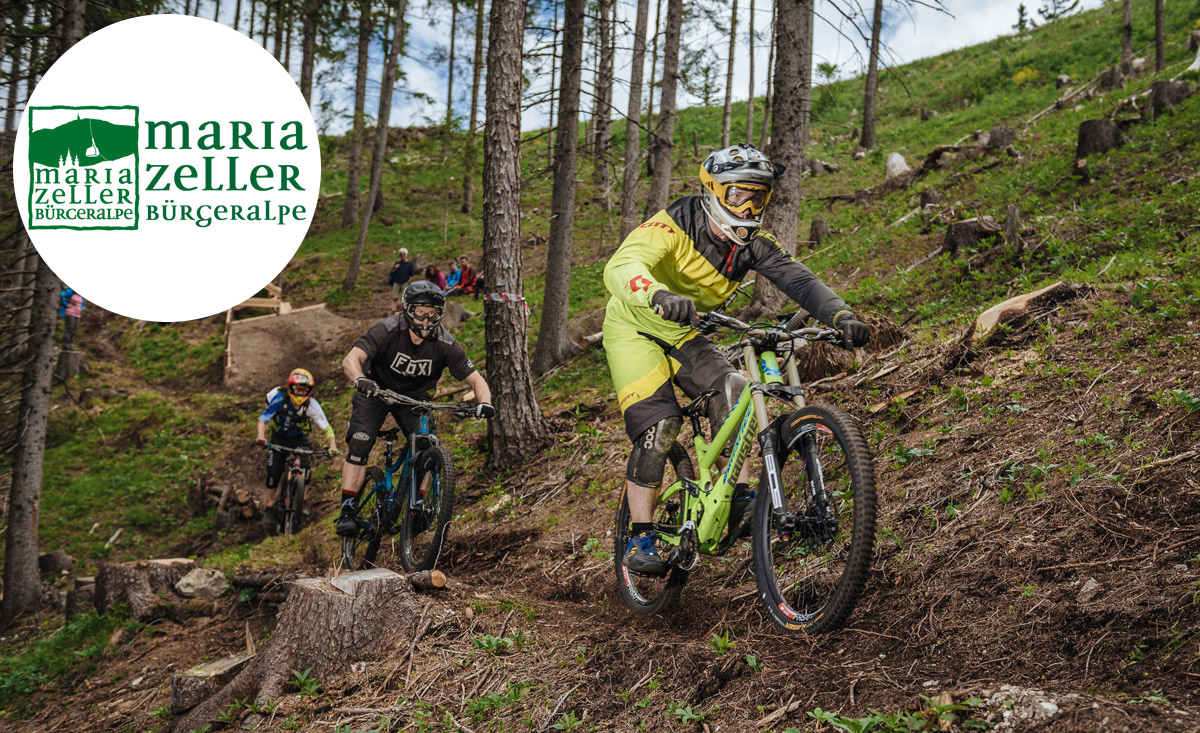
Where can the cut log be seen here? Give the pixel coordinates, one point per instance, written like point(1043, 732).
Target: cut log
point(262, 579)
point(987, 321)
point(895, 166)
point(324, 630)
point(242, 496)
point(202, 583)
point(427, 580)
point(70, 363)
point(1163, 96)
point(818, 232)
point(1096, 136)
point(968, 233)
point(139, 584)
point(500, 505)
point(200, 683)
point(247, 511)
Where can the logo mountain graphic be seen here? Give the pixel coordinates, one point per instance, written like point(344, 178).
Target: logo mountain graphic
point(82, 142)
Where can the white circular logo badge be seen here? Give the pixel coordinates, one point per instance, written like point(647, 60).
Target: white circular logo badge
point(167, 168)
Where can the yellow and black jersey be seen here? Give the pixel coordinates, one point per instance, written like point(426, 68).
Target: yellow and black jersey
point(675, 250)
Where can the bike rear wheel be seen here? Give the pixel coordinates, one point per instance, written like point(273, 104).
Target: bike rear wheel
point(293, 505)
point(811, 562)
point(423, 527)
point(359, 550)
point(644, 593)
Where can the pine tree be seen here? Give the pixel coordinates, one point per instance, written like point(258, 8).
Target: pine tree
point(1024, 22)
point(1055, 9)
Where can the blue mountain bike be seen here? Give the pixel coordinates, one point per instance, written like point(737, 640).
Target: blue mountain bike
point(420, 497)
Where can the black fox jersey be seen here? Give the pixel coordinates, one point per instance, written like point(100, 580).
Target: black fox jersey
point(413, 370)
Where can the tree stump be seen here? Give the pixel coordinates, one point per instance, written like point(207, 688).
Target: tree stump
point(968, 233)
point(927, 114)
point(1000, 137)
point(818, 232)
point(55, 563)
point(454, 315)
point(70, 363)
point(1163, 96)
point(930, 196)
point(81, 597)
point(324, 626)
point(1096, 136)
point(1061, 81)
point(1193, 43)
point(137, 585)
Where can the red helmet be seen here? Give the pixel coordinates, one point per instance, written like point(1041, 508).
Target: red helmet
point(300, 384)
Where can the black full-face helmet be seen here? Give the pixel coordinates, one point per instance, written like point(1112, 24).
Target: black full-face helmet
point(423, 292)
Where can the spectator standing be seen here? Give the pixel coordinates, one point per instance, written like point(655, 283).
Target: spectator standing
point(70, 309)
point(402, 272)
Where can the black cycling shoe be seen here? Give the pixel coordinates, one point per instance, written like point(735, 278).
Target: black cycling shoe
point(642, 556)
point(347, 523)
point(741, 513)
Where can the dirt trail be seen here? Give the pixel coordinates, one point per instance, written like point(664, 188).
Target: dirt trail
point(1038, 549)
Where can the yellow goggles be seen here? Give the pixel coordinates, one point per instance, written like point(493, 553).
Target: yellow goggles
point(742, 198)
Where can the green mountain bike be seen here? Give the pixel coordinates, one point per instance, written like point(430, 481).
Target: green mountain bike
point(814, 515)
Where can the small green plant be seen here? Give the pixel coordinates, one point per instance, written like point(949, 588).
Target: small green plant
point(163, 712)
point(753, 663)
point(722, 644)
point(687, 715)
point(567, 722)
point(903, 456)
point(496, 644)
point(305, 683)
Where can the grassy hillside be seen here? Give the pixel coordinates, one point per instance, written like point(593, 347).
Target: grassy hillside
point(1010, 474)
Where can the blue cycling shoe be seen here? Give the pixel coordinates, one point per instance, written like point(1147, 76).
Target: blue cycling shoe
point(642, 556)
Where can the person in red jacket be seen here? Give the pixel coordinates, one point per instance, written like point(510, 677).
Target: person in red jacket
point(468, 281)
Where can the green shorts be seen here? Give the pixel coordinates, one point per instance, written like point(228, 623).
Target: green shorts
point(643, 372)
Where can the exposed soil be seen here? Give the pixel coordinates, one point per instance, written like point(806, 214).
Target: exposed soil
point(1044, 557)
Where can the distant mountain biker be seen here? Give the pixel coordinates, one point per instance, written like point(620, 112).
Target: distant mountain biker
point(287, 419)
point(405, 353)
point(690, 256)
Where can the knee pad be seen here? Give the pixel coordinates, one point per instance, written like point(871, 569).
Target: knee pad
point(358, 448)
point(648, 459)
point(728, 388)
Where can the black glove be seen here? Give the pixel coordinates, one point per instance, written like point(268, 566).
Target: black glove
point(675, 308)
point(854, 332)
point(483, 411)
point(366, 386)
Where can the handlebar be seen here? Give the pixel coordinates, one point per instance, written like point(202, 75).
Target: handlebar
point(777, 332)
point(459, 410)
point(323, 453)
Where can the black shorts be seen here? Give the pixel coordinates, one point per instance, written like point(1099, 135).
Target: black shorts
point(367, 415)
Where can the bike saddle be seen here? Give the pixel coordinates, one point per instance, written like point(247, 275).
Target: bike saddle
point(698, 406)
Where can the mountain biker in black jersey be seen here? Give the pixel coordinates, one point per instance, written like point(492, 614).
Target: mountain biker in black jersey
point(405, 353)
point(692, 255)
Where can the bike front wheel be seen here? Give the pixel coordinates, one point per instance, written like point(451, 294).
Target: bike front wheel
point(424, 522)
point(643, 593)
point(359, 550)
point(812, 558)
point(293, 505)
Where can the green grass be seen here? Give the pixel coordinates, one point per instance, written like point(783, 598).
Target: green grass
point(60, 657)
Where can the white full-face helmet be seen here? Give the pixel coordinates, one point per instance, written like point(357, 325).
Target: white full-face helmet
point(737, 184)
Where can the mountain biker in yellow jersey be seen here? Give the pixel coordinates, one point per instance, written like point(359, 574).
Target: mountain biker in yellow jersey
point(690, 256)
point(287, 417)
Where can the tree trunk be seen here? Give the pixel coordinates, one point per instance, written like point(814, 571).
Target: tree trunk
point(519, 427)
point(250, 23)
point(554, 75)
point(633, 119)
point(217, 11)
point(278, 30)
point(266, 22)
point(664, 137)
point(380, 146)
point(354, 172)
point(32, 66)
point(554, 345)
point(308, 46)
point(805, 89)
point(324, 626)
point(22, 587)
point(470, 155)
point(750, 101)
point(654, 80)
point(1160, 35)
point(237, 14)
point(14, 73)
point(766, 128)
point(450, 87)
point(794, 35)
point(868, 128)
point(727, 113)
point(287, 42)
point(1126, 34)
point(27, 265)
point(602, 110)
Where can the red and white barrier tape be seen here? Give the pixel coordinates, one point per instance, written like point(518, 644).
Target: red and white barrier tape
point(509, 297)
